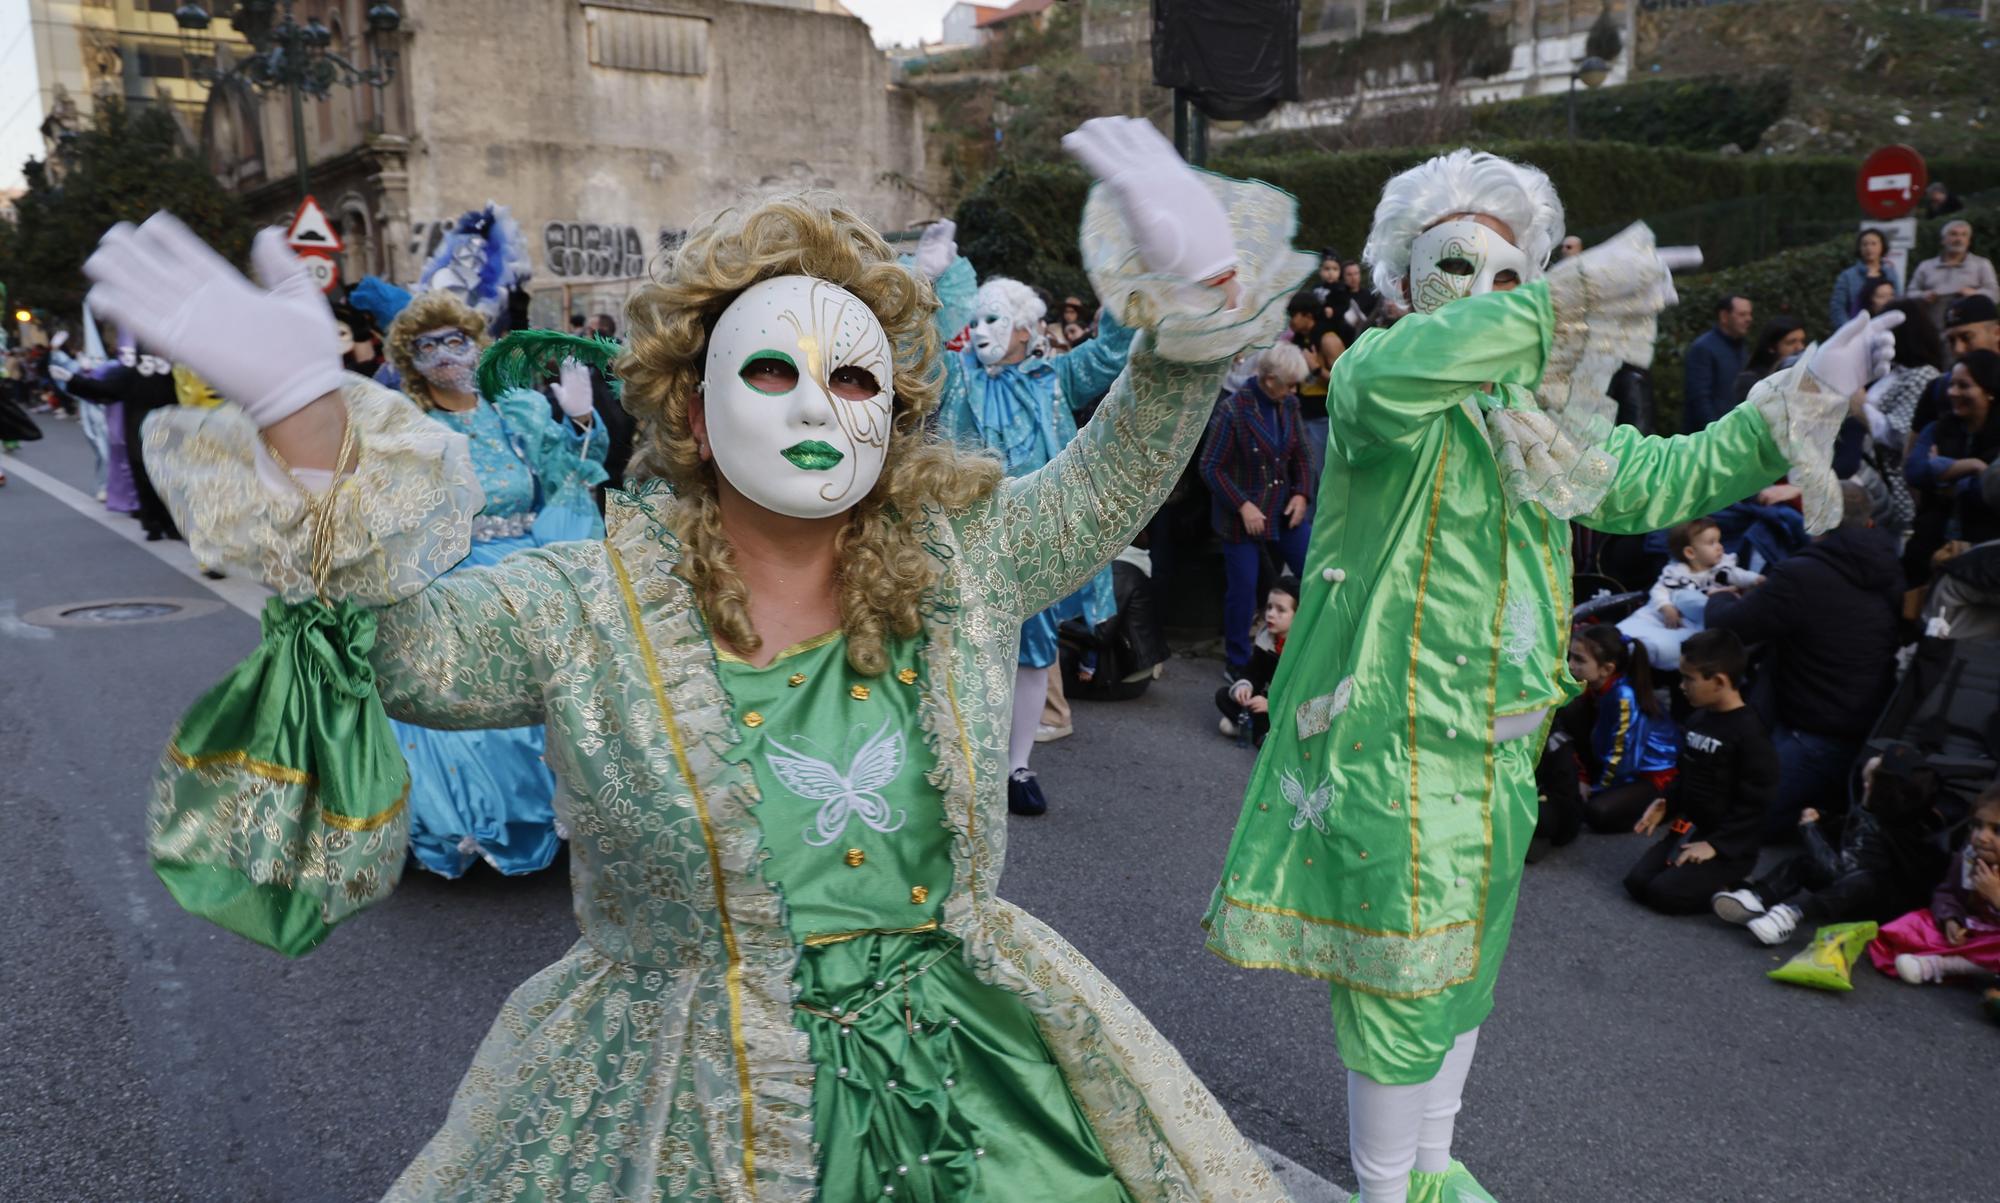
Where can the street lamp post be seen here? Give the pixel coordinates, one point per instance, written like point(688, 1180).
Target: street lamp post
point(1592, 71)
point(289, 55)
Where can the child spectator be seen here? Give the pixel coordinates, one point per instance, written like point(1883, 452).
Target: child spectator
point(1251, 696)
point(1696, 567)
point(1633, 742)
point(1960, 932)
point(1714, 811)
point(1890, 854)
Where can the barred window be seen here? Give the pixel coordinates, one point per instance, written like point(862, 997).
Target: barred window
point(633, 40)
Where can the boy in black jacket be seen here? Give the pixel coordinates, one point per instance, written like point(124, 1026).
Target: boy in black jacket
point(1890, 855)
point(1714, 810)
point(1247, 701)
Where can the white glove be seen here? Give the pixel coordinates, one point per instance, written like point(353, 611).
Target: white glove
point(1858, 353)
point(937, 248)
point(1179, 225)
point(572, 390)
point(272, 353)
point(61, 375)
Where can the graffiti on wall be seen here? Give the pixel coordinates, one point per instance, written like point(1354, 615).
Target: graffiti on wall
point(571, 250)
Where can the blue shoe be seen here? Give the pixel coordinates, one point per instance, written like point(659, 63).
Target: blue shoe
point(1024, 794)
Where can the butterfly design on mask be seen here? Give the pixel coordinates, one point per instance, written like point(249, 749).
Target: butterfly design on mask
point(1312, 807)
point(854, 794)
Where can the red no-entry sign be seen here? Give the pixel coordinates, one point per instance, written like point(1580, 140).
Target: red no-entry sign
point(1891, 182)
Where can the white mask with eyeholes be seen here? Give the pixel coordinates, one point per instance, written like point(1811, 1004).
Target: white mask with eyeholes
point(799, 393)
point(1460, 258)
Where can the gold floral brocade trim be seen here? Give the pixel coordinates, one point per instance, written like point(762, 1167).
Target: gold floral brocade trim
point(733, 974)
point(288, 776)
point(1388, 964)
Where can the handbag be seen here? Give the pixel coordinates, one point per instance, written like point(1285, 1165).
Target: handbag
point(280, 807)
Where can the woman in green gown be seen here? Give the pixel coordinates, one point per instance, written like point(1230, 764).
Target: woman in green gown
point(777, 698)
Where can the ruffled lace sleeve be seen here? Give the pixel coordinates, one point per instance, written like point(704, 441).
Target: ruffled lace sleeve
point(401, 519)
point(1804, 418)
point(1190, 322)
point(1605, 304)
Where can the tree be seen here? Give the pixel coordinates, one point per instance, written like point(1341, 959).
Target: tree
point(127, 166)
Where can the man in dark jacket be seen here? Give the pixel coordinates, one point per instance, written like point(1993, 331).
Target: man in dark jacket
point(1713, 363)
point(1830, 616)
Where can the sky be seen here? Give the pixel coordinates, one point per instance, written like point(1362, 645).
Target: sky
point(893, 22)
point(20, 105)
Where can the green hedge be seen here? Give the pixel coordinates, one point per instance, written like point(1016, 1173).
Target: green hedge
point(1796, 282)
point(1021, 220)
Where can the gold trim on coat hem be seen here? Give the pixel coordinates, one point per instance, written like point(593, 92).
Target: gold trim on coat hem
point(1478, 925)
point(733, 973)
point(1336, 979)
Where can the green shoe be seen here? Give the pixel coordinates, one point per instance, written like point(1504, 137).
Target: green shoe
point(1455, 1185)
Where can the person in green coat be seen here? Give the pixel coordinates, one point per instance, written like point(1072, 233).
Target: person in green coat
point(777, 697)
point(1381, 841)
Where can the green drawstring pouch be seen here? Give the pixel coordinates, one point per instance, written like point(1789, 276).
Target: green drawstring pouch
point(1828, 962)
point(281, 805)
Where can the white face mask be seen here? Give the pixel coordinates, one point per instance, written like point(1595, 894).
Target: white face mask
point(799, 391)
point(1457, 259)
point(992, 337)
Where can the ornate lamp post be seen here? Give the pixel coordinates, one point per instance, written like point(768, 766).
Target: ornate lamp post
point(290, 56)
point(1592, 71)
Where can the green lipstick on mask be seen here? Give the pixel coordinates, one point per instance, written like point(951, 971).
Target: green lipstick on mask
point(813, 455)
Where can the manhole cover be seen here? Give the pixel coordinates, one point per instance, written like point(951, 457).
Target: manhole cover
point(121, 611)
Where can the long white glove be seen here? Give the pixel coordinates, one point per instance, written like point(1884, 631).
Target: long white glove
point(937, 248)
point(1858, 354)
point(271, 352)
point(572, 390)
point(1178, 224)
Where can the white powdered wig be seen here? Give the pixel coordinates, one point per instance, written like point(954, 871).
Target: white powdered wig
point(1463, 181)
point(1012, 298)
point(1284, 361)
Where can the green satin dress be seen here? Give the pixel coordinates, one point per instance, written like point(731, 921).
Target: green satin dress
point(929, 1084)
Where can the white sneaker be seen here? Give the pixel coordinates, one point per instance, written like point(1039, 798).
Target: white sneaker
point(1045, 734)
point(1922, 970)
point(1776, 925)
point(1229, 728)
point(1737, 906)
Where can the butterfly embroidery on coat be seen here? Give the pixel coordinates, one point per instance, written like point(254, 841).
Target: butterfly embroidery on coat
point(855, 794)
point(1312, 807)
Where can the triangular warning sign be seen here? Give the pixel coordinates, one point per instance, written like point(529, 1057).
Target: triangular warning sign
point(310, 228)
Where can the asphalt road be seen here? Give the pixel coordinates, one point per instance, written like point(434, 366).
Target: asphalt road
point(149, 1056)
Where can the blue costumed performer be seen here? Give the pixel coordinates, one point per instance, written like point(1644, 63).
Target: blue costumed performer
point(1006, 394)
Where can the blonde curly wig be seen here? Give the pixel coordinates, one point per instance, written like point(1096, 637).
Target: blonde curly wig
point(426, 312)
point(884, 571)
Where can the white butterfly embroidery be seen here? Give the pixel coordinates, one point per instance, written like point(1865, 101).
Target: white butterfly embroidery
point(856, 794)
point(1312, 807)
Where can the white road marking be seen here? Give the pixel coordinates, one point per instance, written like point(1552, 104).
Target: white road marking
point(245, 594)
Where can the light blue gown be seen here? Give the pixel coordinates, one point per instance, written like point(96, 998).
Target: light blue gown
point(488, 794)
point(1025, 413)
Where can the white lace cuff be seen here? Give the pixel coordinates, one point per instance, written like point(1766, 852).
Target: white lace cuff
point(401, 519)
point(1189, 321)
point(1804, 417)
point(1605, 303)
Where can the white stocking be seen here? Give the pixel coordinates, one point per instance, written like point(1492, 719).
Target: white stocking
point(1031, 691)
point(1441, 1105)
point(1392, 1130)
point(1382, 1123)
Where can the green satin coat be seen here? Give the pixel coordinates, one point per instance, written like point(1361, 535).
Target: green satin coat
point(1364, 853)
